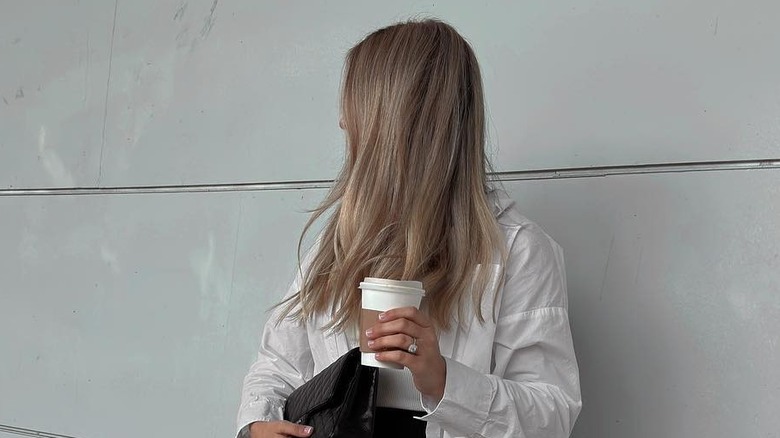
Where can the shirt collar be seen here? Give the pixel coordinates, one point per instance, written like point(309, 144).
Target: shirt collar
point(500, 200)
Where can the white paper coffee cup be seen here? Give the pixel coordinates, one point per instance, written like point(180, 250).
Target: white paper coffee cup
point(380, 295)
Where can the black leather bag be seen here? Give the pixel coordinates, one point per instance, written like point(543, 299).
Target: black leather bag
point(339, 402)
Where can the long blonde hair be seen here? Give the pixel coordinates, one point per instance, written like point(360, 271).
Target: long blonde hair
point(410, 202)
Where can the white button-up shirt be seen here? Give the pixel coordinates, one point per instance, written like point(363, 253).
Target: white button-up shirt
point(514, 375)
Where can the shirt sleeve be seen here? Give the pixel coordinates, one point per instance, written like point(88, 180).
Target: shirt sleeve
point(284, 362)
point(533, 388)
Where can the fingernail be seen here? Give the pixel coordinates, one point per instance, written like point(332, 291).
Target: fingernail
point(307, 430)
point(371, 343)
point(369, 331)
point(382, 316)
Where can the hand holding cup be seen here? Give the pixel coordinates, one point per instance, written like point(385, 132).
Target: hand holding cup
point(396, 331)
point(396, 334)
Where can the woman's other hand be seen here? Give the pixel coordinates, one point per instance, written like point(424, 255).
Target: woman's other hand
point(278, 429)
point(391, 337)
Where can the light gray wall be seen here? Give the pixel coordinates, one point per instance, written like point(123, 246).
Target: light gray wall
point(130, 315)
point(248, 91)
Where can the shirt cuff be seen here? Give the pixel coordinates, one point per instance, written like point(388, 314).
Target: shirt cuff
point(464, 408)
point(244, 432)
point(260, 409)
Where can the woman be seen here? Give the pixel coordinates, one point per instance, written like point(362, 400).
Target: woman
point(494, 354)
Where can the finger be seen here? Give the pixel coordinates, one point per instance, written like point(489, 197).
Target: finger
point(401, 325)
point(292, 429)
point(398, 356)
point(399, 340)
point(411, 313)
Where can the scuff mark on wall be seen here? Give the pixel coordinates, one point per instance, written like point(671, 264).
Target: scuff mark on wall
point(6, 101)
point(208, 22)
point(185, 38)
point(110, 258)
point(87, 69)
point(52, 162)
point(182, 38)
point(606, 268)
point(638, 265)
point(20, 93)
point(213, 279)
point(180, 11)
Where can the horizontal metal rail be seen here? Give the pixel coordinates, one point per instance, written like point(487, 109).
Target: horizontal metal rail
point(30, 432)
point(522, 175)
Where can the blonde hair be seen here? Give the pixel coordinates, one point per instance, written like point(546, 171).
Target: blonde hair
point(410, 202)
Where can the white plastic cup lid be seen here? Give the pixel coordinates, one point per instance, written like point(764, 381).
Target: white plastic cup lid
point(388, 282)
point(384, 294)
point(376, 287)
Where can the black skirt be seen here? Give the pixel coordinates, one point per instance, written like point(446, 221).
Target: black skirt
point(394, 423)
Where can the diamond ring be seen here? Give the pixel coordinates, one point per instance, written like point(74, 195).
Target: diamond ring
point(413, 348)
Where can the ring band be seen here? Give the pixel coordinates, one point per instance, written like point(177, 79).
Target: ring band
point(413, 348)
